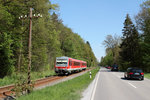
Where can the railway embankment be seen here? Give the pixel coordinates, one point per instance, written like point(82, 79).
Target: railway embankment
point(12, 79)
point(70, 88)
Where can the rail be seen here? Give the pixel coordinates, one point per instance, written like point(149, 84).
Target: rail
point(6, 90)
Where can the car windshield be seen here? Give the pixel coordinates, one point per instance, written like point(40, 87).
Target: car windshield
point(136, 70)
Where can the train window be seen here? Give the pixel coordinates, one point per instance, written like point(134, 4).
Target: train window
point(83, 64)
point(70, 63)
point(76, 63)
point(61, 61)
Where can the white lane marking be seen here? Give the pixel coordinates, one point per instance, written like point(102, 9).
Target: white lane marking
point(132, 85)
point(121, 76)
point(92, 97)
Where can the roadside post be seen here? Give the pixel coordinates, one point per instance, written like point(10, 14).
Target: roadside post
point(90, 75)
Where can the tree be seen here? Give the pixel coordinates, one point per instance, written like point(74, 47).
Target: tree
point(130, 50)
point(50, 37)
point(143, 24)
point(112, 44)
point(107, 60)
point(6, 50)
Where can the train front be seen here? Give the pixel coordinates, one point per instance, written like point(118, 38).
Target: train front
point(61, 65)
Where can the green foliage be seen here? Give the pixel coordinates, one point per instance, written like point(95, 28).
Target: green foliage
point(5, 19)
point(6, 42)
point(6, 64)
point(130, 49)
point(14, 78)
point(112, 46)
point(50, 38)
point(135, 48)
point(107, 60)
point(143, 23)
point(72, 91)
point(21, 87)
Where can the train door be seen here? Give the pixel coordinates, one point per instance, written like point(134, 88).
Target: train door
point(70, 64)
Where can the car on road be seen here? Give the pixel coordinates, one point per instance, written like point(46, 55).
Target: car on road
point(134, 73)
point(108, 67)
point(114, 67)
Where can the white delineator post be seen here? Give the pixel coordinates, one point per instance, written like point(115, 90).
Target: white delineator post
point(90, 75)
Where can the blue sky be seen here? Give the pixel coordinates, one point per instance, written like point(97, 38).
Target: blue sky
point(93, 20)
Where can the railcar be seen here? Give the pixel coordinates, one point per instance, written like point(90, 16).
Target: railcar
point(67, 65)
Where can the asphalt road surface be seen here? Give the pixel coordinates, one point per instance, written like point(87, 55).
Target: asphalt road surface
point(112, 86)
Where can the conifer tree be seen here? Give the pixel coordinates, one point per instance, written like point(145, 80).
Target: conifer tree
point(130, 52)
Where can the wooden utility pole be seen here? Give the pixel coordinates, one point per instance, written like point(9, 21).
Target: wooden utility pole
point(30, 44)
point(29, 49)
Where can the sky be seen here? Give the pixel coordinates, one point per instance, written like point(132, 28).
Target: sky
point(93, 20)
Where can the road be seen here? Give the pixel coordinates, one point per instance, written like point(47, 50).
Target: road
point(112, 86)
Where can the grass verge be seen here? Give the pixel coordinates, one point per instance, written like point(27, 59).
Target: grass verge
point(147, 75)
point(7, 80)
point(68, 90)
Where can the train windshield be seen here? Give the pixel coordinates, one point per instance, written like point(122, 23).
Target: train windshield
point(61, 62)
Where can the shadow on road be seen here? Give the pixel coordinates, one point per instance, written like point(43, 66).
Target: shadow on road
point(130, 79)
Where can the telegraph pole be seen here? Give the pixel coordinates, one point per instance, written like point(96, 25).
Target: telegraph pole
point(30, 44)
point(29, 47)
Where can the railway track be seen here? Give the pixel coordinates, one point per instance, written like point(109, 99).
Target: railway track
point(6, 90)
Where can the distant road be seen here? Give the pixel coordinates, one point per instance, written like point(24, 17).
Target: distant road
point(113, 86)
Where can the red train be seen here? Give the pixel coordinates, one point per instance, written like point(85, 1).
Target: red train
point(67, 65)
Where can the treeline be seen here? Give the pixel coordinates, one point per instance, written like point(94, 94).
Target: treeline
point(133, 48)
point(50, 37)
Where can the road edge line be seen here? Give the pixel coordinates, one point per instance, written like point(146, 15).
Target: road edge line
point(93, 93)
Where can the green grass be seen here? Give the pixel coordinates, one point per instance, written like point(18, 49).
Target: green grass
point(147, 75)
point(8, 80)
point(68, 90)
point(34, 75)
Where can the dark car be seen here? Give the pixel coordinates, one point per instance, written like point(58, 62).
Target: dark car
point(134, 73)
point(114, 67)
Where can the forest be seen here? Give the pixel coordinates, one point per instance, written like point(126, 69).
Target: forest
point(132, 49)
point(50, 38)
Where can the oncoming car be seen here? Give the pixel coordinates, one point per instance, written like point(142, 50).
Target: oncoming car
point(114, 67)
point(134, 73)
